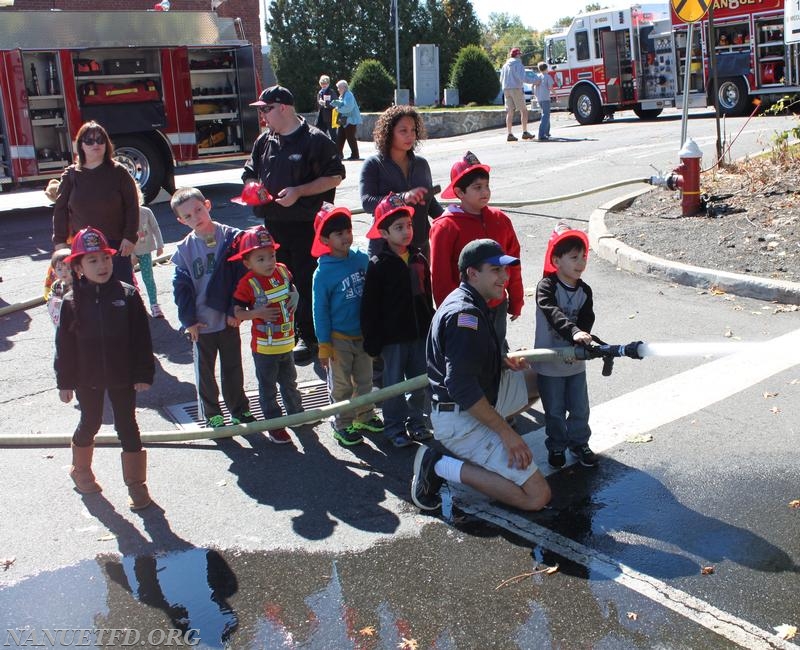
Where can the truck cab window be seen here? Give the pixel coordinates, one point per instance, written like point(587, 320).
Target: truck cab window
point(557, 51)
point(582, 46)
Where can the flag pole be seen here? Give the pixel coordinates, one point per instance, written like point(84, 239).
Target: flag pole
point(396, 42)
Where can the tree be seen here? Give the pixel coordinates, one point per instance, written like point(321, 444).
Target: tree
point(373, 86)
point(453, 25)
point(474, 75)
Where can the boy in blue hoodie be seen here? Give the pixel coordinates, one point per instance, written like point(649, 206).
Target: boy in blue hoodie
point(337, 287)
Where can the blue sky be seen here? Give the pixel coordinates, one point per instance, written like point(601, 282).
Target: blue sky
point(538, 14)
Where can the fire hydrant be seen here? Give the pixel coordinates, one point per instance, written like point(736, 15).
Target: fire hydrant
point(686, 178)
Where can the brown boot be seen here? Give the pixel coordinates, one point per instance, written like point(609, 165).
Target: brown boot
point(134, 473)
point(81, 470)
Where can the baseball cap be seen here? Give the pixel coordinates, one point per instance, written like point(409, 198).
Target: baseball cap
point(322, 226)
point(253, 193)
point(561, 232)
point(463, 167)
point(88, 240)
point(515, 52)
point(484, 251)
point(274, 95)
point(389, 205)
point(253, 239)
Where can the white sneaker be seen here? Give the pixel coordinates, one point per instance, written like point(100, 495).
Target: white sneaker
point(156, 312)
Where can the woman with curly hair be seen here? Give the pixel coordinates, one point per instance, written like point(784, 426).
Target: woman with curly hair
point(396, 168)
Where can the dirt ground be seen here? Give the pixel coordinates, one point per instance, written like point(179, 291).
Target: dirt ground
point(751, 222)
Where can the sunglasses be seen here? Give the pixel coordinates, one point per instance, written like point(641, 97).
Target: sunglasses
point(93, 140)
point(266, 109)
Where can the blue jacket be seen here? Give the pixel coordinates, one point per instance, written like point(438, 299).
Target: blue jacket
point(338, 285)
point(223, 283)
point(347, 107)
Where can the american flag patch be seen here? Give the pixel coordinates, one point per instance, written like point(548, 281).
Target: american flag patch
point(467, 320)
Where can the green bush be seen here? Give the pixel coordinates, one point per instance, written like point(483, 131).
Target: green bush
point(372, 85)
point(474, 76)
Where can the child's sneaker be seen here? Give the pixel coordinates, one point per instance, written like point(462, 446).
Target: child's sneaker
point(155, 311)
point(556, 459)
point(374, 425)
point(420, 435)
point(400, 439)
point(279, 436)
point(348, 436)
point(215, 421)
point(586, 456)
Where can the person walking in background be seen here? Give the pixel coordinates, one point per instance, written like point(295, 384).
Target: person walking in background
point(150, 240)
point(349, 119)
point(396, 311)
point(325, 114)
point(300, 167)
point(396, 168)
point(103, 345)
point(542, 87)
point(512, 77)
point(97, 191)
point(203, 289)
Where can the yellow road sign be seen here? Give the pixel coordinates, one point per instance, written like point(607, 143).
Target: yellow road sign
point(690, 11)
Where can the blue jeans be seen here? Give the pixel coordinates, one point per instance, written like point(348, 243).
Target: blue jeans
point(544, 123)
point(273, 371)
point(562, 395)
point(403, 361)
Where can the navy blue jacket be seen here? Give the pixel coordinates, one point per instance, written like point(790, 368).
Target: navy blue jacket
point(463, 353)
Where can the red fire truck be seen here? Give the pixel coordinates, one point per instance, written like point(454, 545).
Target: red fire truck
point(614, 59)
point(171, 89)
point(752, 56)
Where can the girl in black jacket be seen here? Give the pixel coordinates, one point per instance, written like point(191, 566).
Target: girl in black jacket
point(103, 345)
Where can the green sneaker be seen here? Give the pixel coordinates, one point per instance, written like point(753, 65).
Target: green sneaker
point(216, 421)
point(246, 418)
point(348, 436)
point(374, 425)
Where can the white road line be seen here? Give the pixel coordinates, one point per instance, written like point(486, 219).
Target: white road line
point(718, 621)
point(640, 411)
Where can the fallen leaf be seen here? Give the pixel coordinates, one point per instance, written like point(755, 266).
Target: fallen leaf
point(633, 616)
point(795, 503)
point(367, 631)
point(642, 437)
point(786, 632)
point(631, 316)
point(222, 483)
point(728, 333)
point(7, 562)
point(794, 381)
point(767, 394)
point(408, 644)
point(551, 570)
point(707, 570)
point(716, 291)
point(775, 410)
point(108, 537)
point(547, 570)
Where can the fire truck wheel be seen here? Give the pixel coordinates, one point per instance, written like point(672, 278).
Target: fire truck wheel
point(647, 113)
point(586, 107)
point(734, 99)
point(142, 161)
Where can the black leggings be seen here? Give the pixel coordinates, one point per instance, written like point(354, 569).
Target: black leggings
point(348, 133)
point(123, 403)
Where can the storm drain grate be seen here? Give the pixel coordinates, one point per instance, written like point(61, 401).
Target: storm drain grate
point(314, 394)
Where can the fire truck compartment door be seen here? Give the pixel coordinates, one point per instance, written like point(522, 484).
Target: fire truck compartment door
point(127, 118)
point(245, 65)
point(733, 64)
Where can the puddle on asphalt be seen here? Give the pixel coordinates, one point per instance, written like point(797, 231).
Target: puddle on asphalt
point(467, 587)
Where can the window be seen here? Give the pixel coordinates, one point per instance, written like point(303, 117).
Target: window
point(582, 46)
point(557, 51)
point(598, 42)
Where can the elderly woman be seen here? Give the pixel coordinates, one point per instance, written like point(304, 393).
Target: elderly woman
point(349, 119)
point(396, 168)
point(97, 191)
point(324, 97)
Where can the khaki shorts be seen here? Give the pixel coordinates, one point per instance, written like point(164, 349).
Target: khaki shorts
point(471, 440)
point(515, 99)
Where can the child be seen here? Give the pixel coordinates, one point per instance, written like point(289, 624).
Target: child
point(203, 288)
point(150, 240)
point(266, 296)
point(396, 312)
point(337, 287)
point(564, 312)
point(103, 345)
point(62, 283)
point(473, 219)
point(542, 87)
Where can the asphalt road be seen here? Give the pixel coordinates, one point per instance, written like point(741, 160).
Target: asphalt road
point(260, 546)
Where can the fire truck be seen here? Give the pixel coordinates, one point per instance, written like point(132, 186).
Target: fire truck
point(171, 88)
point(614, 59)
point(752, 56)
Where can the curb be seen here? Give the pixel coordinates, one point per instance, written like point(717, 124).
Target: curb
point(605, 244)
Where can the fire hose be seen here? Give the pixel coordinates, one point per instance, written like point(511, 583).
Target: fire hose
point(570, 353)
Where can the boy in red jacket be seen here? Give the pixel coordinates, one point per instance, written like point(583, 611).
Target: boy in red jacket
point(470, 220)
